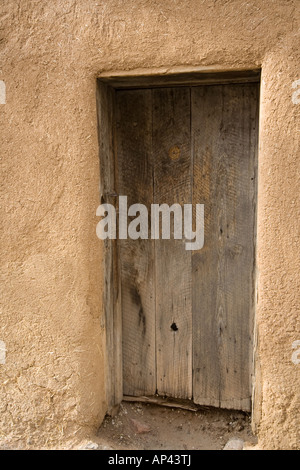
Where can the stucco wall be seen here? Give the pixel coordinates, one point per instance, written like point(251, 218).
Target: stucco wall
point(53, 379)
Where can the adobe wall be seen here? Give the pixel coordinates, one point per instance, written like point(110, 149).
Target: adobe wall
point(52, 375)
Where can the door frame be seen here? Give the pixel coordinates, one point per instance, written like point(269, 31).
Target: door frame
point(107, 84)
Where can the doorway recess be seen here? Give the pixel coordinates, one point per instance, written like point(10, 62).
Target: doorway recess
point(180, 323)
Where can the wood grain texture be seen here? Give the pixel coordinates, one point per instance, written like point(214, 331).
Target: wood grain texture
point(172, 184)
point(135, 180)
point(185, 79)
point(225, 144)
point(112, 289)
point(168, 402)
point(187, 317)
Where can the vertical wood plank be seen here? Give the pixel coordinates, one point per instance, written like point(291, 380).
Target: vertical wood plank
point(117, 291)
point(111, 291)
point(241, 130)
point(135, 180)
point(206, 111)
point(172, 184)
point(225, 143)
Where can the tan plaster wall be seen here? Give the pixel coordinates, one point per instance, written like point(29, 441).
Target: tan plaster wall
point(52, 385)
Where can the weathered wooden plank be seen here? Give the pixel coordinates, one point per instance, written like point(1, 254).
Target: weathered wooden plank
point(168, 402)
point(240, 146)
point(135, 180)
point(172, 184)
point(195, 78)
point(206, 111)
point(111, 291)
point(224, 141)
point(117, 292)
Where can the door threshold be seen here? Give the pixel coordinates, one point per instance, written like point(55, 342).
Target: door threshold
point(167, 402)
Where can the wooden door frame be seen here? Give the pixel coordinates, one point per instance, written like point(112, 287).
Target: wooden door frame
point(107, 84)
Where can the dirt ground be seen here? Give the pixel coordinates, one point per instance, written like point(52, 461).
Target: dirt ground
point(143, 426)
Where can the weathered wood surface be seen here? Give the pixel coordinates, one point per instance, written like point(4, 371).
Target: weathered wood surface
point(125, 80)
point(225, 145)
point(188, 316)
point(112, 289)
point(172, 184)
point(135, 180)
point(168, 402)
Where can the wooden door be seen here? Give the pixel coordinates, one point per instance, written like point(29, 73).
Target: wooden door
point(187, 316)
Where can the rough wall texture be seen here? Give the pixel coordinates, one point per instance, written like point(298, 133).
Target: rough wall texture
point(53, 379)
